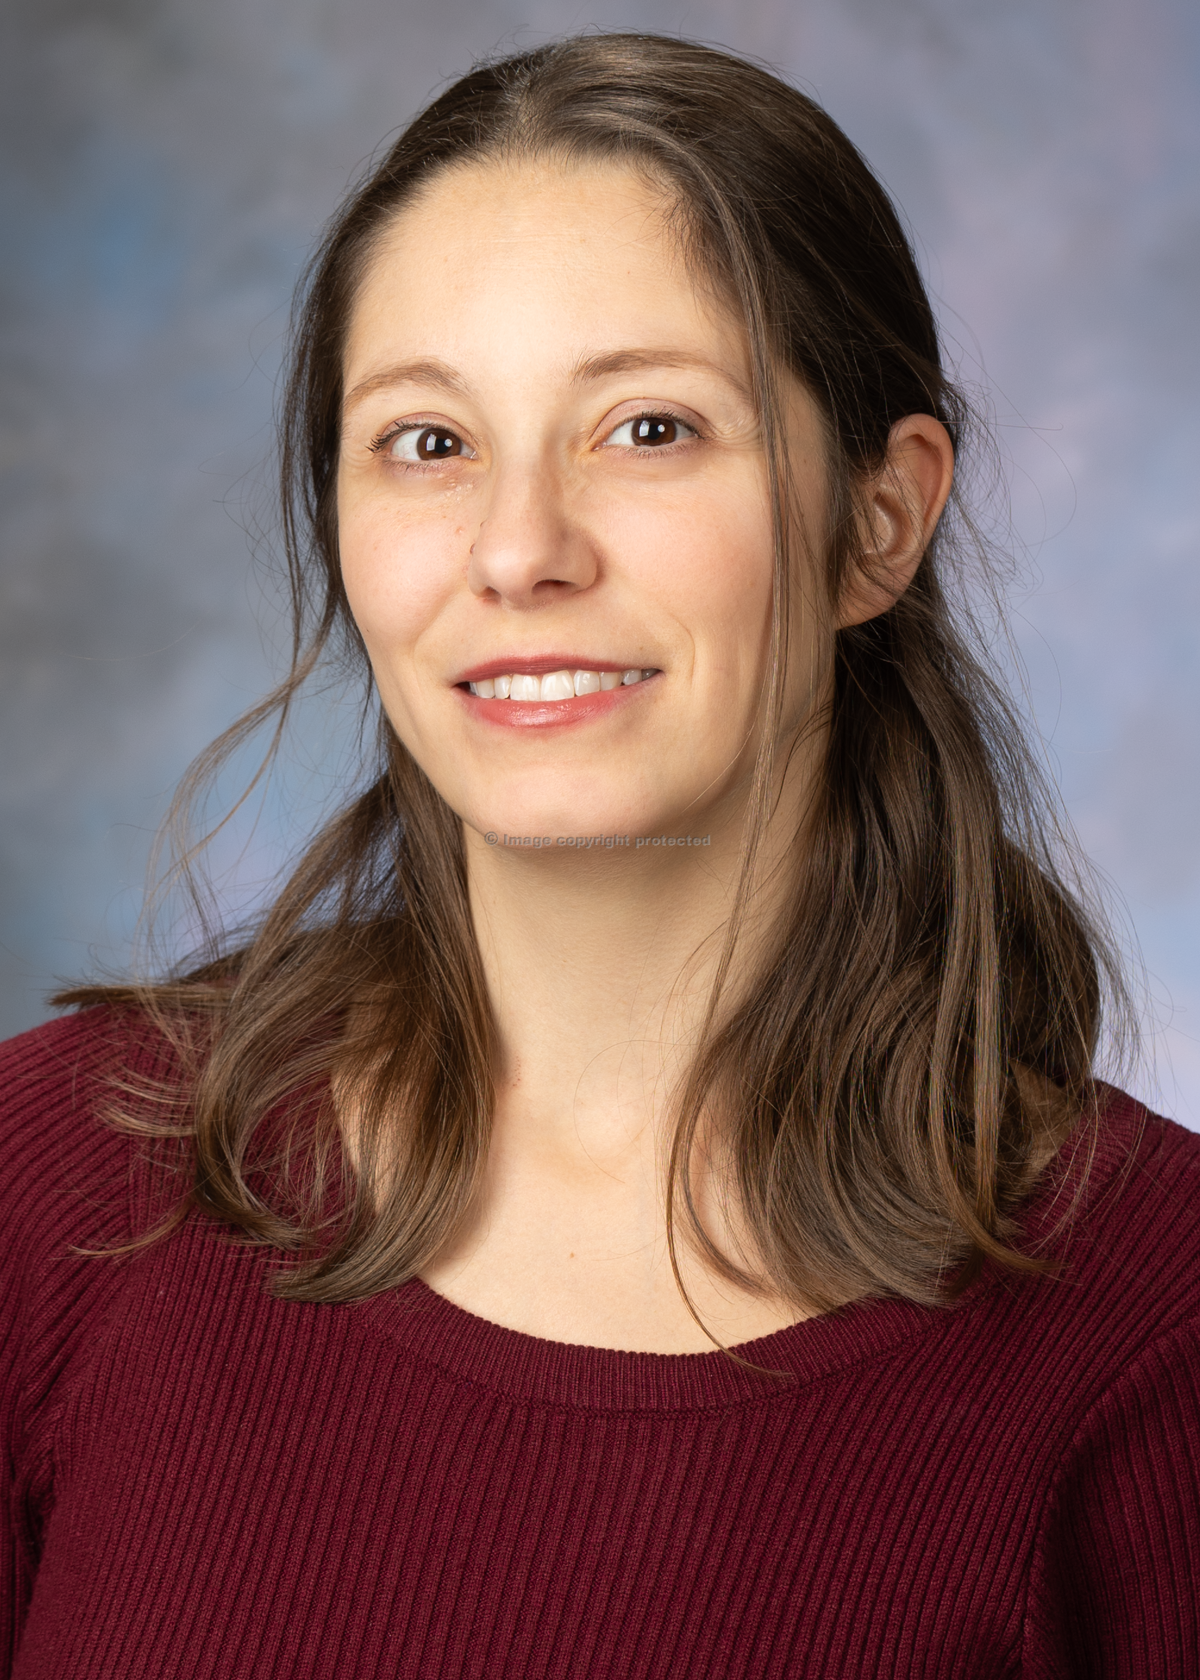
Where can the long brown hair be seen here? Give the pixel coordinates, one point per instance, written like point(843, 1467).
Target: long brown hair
point(883, 1087)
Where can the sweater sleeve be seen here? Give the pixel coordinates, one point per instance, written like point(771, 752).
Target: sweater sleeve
point(1114, 1592)
point(64, 1187)
point(15, 1572)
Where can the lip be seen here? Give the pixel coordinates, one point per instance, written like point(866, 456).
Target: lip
point(540, 665)
point(550, 714)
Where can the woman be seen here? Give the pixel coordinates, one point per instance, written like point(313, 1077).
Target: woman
point(638, 1202)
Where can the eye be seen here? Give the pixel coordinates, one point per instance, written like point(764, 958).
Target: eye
point(649, 431)
point(422, 444)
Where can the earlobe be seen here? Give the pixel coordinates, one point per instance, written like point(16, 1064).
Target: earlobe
point(905, 502)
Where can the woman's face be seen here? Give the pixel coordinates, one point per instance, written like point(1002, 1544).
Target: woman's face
point(553, 509)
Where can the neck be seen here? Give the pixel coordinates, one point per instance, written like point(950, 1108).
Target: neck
point(600, 971)
point(600, 968)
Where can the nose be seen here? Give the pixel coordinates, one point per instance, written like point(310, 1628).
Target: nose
point(528, 551)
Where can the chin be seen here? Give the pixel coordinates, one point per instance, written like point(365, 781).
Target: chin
point(565, 805)
point(592, 829)
point(558, 830)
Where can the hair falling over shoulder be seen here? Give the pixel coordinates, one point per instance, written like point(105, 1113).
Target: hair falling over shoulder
point(928, 1013)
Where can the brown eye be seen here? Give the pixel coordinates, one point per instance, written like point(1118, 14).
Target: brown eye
point(435, 445)
point(649, 431)
point(428, 443)
point(654, 429)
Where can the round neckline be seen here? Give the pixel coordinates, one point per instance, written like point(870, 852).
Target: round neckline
point(530, 1369)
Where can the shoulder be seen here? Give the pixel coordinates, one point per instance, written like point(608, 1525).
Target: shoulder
point(65, 1060)
point(1120, 1527)
point(1120, 1213)
point(1156, 1148)
point(1139, 1227)
point(1117, 1220)
point(72, 1191)
point(53, 1079)
point(1120, 1312)
point(64, 1170)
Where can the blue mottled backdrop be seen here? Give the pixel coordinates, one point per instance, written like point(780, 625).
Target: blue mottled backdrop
point(166, 167)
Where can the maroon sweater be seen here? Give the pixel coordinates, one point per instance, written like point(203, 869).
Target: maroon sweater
point(202, 1481)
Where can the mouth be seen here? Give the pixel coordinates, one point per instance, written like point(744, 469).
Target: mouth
point(562, 684)
point(544, 692)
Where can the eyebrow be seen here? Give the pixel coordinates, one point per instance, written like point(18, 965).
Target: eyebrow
point(441, 376)
point(638, 361)
point(427, 371)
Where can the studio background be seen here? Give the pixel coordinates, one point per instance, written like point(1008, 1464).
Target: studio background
point(167, 167)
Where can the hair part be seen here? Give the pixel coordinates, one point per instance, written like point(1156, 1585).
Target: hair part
point(928, 1012)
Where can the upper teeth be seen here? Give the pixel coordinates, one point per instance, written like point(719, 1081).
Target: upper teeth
point(555, 685)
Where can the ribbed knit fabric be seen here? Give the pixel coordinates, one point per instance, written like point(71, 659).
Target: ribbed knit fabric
point(202, 1481)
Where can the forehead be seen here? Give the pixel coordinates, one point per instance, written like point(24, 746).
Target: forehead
point(517, 257)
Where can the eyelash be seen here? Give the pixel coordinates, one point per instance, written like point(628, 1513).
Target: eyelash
point(391, 433)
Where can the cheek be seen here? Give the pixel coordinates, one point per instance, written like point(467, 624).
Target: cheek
point(397, 572)
point(707, 560)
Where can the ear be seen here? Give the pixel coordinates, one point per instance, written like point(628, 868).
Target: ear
point(905, 502)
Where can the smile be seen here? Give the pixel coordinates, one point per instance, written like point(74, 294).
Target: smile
point(555, 685)
point(558, 697)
